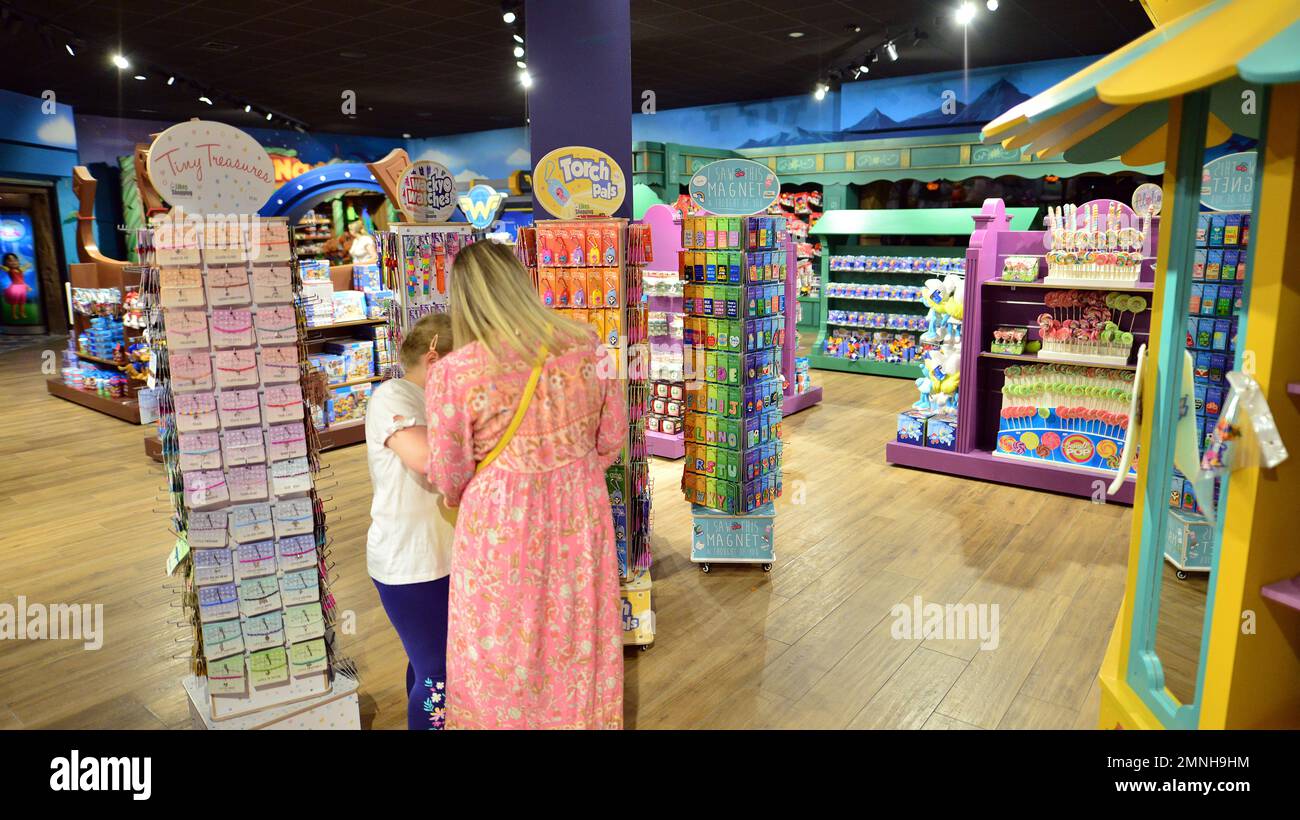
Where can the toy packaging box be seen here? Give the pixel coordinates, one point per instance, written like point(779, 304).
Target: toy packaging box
point(349, 403)
point(318, 302)
point(349, 306)
point(314, 270)
point(358, 358)
point(332, 365)
point(366, 278)
point(941, 432)
point(911, 426)
point(377, 303)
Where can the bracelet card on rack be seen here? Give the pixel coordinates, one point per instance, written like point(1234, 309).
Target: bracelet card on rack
point(302, 623)
point(308, 658)
point(290, 476)
point(243, 446)
point(248, 483)
point(239, 408)
point(228, 287)
point(191, 370)
point(283, 403)
point(206, 488)
point(226, 676)
point(255, 559)
point(296, 552)
point(232, 327)
point(251, 522)
point(300, 587)
point(276, 325)
point(280, 365)
point(287, 441)
point(181, 288)
point(223, 639)
point(267, 629)
point(186, 329)
point(213, 566)
point(268, 667)
point(198, 451)
point(237, 368)
point(258, 595)
point(218, 603)
point(208, 529)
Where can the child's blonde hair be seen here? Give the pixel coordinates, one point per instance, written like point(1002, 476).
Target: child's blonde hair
point(435, 329)
point(494, 302)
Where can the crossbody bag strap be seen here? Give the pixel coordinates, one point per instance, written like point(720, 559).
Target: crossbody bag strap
point(524, 400)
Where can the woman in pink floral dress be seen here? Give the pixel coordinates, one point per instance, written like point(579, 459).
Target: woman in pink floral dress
point(535, 636)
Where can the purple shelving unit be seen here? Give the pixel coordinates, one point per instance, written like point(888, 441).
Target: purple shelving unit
point(1285, 592)
point(990, 303)
point(793, 402)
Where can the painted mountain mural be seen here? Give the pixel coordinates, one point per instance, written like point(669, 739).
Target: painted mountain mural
point(875, 120)
point(989, 105)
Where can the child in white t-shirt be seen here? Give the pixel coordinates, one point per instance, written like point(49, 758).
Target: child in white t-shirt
point(408, 546)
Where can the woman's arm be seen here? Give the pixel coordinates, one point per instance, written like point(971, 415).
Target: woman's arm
point(451, 463)
point(411, 444)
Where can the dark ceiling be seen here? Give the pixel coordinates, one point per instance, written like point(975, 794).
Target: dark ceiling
point(429, 67)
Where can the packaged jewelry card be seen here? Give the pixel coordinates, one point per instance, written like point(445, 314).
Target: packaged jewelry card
point(294, 517)
point(213, 567)
point(283, 403)
point(258, 595)
point(290, 476)
point(228, 286)
point(206, 488)
point(255, 559)
point(302, 623)
point(300, 587)
point(272, 285)
point(176, 243)
point(191, 370)
point(276, 324)
point(307, 658)
point(243, 446)
point(199, 451)
point(223, 243)
point(280, 364)
point(239, 408)
point(218, 603)
point(222, 639)
point(208, 529)
point(237, 368)
point(268, 667)
point(296, 552)
point(261, 631)
point(186, 329)
point(248, 483)
point(196, 412)
point(287, 441)
point(226, 676)
point(232, 327)
point(181, 288)
point(270, 241)
point(251, 522)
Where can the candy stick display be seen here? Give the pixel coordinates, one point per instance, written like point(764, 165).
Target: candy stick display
point(1084, 247)
point(1065, 413)
point(1088, 324)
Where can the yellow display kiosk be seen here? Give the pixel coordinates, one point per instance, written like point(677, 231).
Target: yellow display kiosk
point(1208, 69)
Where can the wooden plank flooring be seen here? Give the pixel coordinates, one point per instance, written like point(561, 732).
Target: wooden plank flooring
point(808, 645)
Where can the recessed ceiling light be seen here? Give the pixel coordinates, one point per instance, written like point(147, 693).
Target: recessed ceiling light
point(518, 38)
point(205, 100)
point(525, 79)
point(268, 116)
point(521, 64)
point(72, 52)
point(248, 109)
point(171, 80)
point(795, 35)
point(406, 136)
point(141, 77)
point(519, 51)
point(965, 13)
point(508, 17)
point(121, 62)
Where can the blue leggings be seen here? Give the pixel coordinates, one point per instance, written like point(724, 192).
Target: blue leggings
point(419, 614)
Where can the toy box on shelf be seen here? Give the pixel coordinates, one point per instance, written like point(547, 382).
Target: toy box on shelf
point(593, 270)
point(252, 551)
point(1025, 419)
point(872, 307)
point(735, 332)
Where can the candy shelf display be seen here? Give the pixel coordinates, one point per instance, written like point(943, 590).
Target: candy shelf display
point(1046, 371)
point(663, 296)
point(593, 270)
point(736, 295)
point(252, 555)
point(872, 309)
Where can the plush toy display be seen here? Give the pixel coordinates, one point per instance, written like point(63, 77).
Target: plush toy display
point(942, 336)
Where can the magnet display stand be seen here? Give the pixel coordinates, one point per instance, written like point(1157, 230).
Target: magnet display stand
point(733, 539)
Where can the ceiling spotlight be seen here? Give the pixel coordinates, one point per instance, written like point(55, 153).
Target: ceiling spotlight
point(819, 93)
point(521, 64)
point(992, 4)
point(406, 136)
point(141, 77)
point(205, 100)
point(518, 38)
point(268, 116)
point(248, 109)
point(519, 51)
point(171, 80)
point(795, 35)
point(853, 28)
point(71, 51)
point(525, 79)
point(509, 17)
point(864, 68)
point(121, 62)
point(891, 50)
point(965, 13)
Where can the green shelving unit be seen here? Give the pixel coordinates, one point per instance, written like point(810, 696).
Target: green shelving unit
point(844, 230)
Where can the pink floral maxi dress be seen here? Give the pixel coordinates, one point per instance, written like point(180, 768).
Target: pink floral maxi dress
point(534, 634)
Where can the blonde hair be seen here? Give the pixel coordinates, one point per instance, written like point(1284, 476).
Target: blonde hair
point(435, 329)
point(493, 302)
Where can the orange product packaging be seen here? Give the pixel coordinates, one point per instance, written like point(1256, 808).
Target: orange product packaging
point(609, 245)
point(562, 288)
point(577, 247)
point(545, 250)
point(596, 318)
point(594, 255)
point(613, 327)
point(609, 285)
point(578, 288)
point(595, 287)
point(546, 284)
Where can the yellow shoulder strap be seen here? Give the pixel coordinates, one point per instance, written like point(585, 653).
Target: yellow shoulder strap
point(524, 400)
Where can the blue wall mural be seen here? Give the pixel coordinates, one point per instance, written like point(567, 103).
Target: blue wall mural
point(42, 147)
point(480, 155)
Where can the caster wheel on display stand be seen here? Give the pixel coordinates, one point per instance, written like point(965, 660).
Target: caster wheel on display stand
point(1182, 576)
point(767, 568)
point(705, 568)
point(645, 647)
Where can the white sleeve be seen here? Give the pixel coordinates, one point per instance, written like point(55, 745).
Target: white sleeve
point(389, 411)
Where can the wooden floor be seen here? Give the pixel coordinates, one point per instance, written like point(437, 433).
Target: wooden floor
point(808, 645)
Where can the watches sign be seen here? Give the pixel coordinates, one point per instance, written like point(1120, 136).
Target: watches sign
point(427, 192)
point(734, 187)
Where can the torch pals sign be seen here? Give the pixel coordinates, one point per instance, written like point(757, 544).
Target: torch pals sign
point(734, 187)
point(427, 192)
point(579, 181)
point(210, 168)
